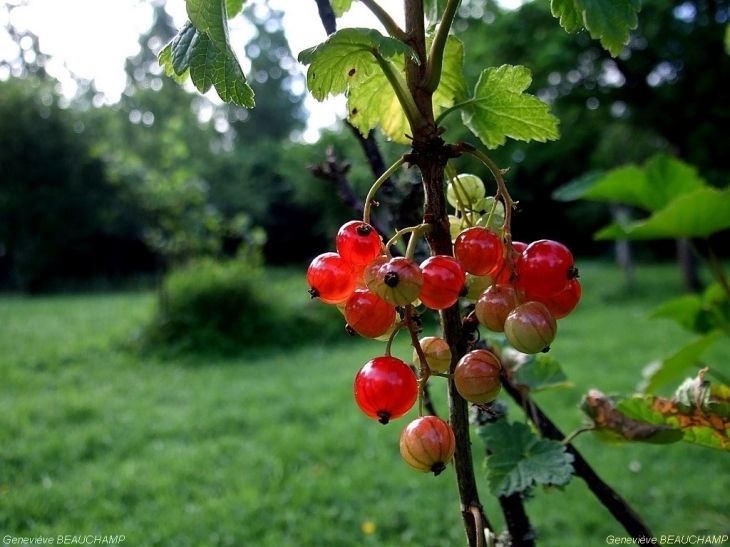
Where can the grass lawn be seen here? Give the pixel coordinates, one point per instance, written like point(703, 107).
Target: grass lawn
point(269, 449)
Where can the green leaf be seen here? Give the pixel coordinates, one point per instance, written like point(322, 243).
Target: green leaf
point(698, 214)
point(662, 180)
point(193, 52)
point(346, 59)
point(606, 20)
point(622, 421)
point(662, 372)
point(234, 7)
point(340, 7)
point(540, 372)
point(209, 17)
point(165, 60)
point(499, 109)
point(519, 459)
point(576, 188)
point(686, 310)
point(433, 9)
point(374, 101)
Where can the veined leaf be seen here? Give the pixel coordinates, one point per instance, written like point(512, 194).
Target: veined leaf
point(606, 20)
point(662, 180)
point(499, 109)
point(374, 101)
point(346, 59)
point(540, 372)
point(519, 459)
point(612, 423)
point(697, 214)
point(193, 52)
point(209, 17)
point(433, 9)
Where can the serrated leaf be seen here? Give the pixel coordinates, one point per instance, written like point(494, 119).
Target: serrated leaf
point(698, 214)
point(519, 459)
point(340, 7)
point(346, 59)
point(165, 60)
point(209, 17)
point(676, 365)
point(193, 52)
point(653, 187)
point(698, 423)
point(624, 421)
point(500, 109)
point(374, 101)
point(541, 372)
point(606, 20)
point(570, 16)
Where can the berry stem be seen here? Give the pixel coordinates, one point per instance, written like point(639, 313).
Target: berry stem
point(502, 191)
point(424, 372)
point(416, 232)
point(386, 20)
point(436, 55)
point(369, 199)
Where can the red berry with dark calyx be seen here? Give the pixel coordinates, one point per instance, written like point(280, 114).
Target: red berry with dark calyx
point(368, 314)
point(494, 305)
point(530, 327)
point(545, 268)
point(330, 278)
point(399, 281)
point(385, 388)
point(358, 242)
point(479, 250)
point(443, 282)
point(563, 303)
point(477, 376)
point(427, 444)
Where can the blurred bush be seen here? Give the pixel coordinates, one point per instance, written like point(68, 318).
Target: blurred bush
point(227, 306)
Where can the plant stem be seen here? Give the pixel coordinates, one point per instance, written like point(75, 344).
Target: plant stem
point(386, 20)
point(376, 186)
point(407, 103)
point(620, 510)
point(436, 55)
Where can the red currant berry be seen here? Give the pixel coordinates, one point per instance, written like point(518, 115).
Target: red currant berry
point(368, 314)
point(530, 327)
point(399, 281)
point(385, 388)
point(494, 305)
point(427, 444)
point(479, 250)
point(357, 242)
point(477, 376)
point(437, 353)
point(443, 282)
point(370, 271)
point(503, 273)
point(562, 303)
point(545, 268)
point(330, 278)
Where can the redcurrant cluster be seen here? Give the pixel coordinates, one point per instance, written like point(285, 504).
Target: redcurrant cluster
point(521, 290)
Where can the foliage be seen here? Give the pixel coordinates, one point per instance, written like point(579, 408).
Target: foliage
point(271, 438)
point(225, 306)
point(394, 82)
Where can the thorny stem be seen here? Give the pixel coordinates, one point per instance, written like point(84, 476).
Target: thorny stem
point(369, 199)
point(386, 20)
point(436, 55)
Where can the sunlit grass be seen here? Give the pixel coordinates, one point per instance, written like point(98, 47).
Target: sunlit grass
point(269, 449)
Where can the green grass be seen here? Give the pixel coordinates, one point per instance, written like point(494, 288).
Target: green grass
point(269, 449)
